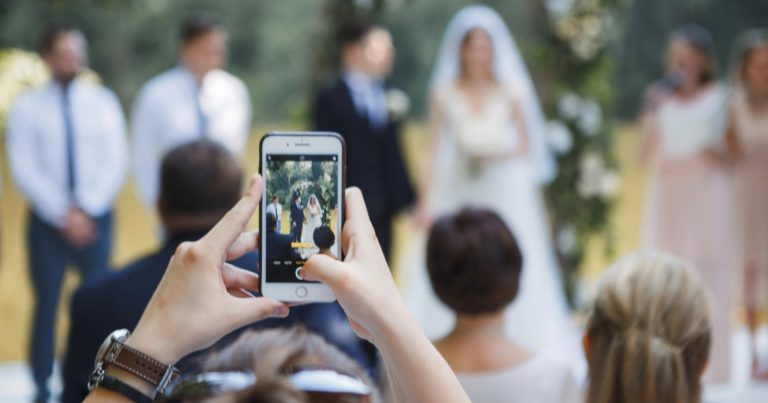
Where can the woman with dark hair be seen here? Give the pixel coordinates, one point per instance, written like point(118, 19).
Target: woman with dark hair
point(688, 203)
point(474, 265)
point(748, 141)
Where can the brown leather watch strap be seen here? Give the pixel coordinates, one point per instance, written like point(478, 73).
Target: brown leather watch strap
point(139, 364)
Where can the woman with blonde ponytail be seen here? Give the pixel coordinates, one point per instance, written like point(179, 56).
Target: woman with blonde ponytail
point(649, 336)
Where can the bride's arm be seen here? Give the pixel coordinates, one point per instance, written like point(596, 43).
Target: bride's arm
point(522, 129)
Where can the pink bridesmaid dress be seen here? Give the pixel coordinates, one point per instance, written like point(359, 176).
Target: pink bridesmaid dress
point(751, 179)
point(689, 206)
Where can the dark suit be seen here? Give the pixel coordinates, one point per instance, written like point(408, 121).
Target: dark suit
point(117, 301)
point(374, 161)
point(279, 246)
point(297, 221)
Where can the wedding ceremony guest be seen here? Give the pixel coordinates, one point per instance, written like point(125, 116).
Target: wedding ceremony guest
point(200, 181)
point(297, 218)
point(67, 154)
point(355, 106)
point(649, 334)
point(279, 245)
point(200, 299)
point(475, 266)
point(277, 210)
point(324, 240)
point(196, 99)
point(689, 206)
point(748, 137)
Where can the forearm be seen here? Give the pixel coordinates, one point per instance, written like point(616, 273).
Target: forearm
point(418, 371)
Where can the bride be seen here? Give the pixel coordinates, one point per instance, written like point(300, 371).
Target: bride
point(314, 214)
point(487, 150)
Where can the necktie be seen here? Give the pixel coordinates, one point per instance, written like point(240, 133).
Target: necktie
point(69, 133)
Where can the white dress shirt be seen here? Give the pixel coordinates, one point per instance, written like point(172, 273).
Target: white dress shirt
point(277, 210)
point(37, 149)
point(167, 113)
point(369, 97)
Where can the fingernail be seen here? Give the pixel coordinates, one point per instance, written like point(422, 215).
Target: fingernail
point(281, 311)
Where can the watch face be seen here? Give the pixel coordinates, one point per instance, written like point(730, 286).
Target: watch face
point(118, 335)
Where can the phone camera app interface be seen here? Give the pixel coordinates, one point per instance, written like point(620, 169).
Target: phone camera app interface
point(301, 214)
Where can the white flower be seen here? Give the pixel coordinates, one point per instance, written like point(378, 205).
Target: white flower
point(567, 239)
point(569, 106)
point(398, 104)
point(590, 117)
point(559, 137)
point(610, 184)
point(591, 172)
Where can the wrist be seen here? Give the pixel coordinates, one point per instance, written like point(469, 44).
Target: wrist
point(155, 345)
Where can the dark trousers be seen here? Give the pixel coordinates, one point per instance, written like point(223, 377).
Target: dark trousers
point(296, 231)
point(49, 255)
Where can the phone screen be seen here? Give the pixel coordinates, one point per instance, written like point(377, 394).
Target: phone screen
point(301, 216)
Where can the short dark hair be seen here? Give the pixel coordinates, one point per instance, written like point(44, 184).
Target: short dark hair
point(474, 262)
point(197, 26)
point(323, 237)
point(271, 221)
point(354, 31)
point(199, 177)
point(51, 34)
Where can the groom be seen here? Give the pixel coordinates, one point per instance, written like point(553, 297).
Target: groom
point(297, 218)
point(356, 107)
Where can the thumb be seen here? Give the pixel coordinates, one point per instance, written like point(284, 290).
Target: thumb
point(323, 268)
point(249, 310)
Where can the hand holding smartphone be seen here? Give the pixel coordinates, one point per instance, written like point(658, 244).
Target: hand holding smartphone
point(302, 209)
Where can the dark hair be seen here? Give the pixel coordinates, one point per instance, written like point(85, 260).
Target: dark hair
point(354, 31)
point(199, 177)
point(323, 237)
point(271, 354)
point(197, 26)
point(700, 39)
point(51, 34)
point(271, 221)
point(474, 262)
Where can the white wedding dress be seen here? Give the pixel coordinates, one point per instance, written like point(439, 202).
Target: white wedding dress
point(539, 318)
point(314, 220)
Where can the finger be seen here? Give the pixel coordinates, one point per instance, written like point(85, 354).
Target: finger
point(235, 277)
point(229, 228)
point(246, 242)
point(249, 310)
point(325, 269)
point(358, 231)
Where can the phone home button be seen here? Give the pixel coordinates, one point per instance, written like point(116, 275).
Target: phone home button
point(301, 292)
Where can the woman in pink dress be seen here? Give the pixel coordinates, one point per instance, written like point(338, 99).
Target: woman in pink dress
point(748, 141)
point(689, 198)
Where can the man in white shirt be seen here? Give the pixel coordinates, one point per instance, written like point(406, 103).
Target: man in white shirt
point(68, 157)
point(193, 100)
point(277, 210)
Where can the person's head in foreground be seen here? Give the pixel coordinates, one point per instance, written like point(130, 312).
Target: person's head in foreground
point(367, 48)
point(691, 58)
point(280, 366)
point(271, 222)
point(649, 335)
point(64, 50)
point(203, 45)
point(199, 182)
point(324, 239)
point(474, 262)
point(751, 64)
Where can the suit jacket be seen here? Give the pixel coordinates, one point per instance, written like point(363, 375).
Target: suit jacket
point(118, 300)
point(297, 215)
point(374, 161)
point(279, 246)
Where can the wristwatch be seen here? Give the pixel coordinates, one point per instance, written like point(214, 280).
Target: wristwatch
point(114, 352)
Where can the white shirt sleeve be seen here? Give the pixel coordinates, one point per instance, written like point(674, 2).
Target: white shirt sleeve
point(114, 156)
point(237, 124)
point(145, 149)
point(41, 191)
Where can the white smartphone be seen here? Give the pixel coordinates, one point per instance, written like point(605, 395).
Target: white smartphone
point(302, 209)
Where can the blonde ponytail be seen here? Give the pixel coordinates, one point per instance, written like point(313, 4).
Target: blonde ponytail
point(649, 334)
